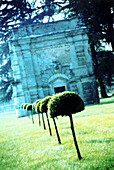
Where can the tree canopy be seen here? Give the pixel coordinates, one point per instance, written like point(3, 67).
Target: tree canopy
point(14, 13)
point(97, 15)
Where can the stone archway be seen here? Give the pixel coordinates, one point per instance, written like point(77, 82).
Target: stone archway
point(58, 83)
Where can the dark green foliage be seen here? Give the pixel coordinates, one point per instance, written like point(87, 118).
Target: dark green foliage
point(25, 105)
point(7, 81)
point(34, 108)
point(37, 107)
point(15, 13)
point(44, 108)
point(29, 107)
point(65, 104)
point(34, 104)
point(105, 66)
point(22, 105)
point(98, 16)
point(44, 102)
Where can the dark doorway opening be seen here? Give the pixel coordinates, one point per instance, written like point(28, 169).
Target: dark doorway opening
point(59, 89)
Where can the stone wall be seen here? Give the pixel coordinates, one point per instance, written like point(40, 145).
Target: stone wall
point(51, 57)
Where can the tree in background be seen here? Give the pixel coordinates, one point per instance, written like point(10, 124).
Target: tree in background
point(11, 15)
point(97, 15)
point(6, 79)
point(14, 13)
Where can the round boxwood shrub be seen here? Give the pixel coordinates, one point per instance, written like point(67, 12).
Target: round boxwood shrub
point(37, 106)
point(37, 109)
point(43, 104)
point(34, 104)
point(43, 108)
point(29, 107)
point(25, 105)
point(34, 108)
point(22, 105)
point(65, 104)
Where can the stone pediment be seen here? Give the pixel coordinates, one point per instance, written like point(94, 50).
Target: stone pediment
point(57, 76)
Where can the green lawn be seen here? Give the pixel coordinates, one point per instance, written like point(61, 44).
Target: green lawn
point(24, 145)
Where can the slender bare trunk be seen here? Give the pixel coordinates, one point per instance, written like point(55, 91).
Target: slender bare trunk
point(39, 119)
point(32, 116)
point(74, 136)
point(59, 140)
point(48, 124)
point(43, 122)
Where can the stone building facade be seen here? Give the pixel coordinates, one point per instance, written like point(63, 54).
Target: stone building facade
point(50, 58)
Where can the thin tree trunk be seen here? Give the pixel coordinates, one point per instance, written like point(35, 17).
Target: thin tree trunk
point(49, 124)
point(43, 122)
point(39, 119)
point(32, 117)
point(98, 76)
point(102, 88)
point(59, 140)
point(74, 136)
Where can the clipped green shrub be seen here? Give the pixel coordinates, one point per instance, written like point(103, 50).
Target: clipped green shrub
point(37, 109)
point(37, 106)
point(29, 107)
point(25, 105)
point(65, 104)
point(43, 108)
point(43, 104)
point(34, 104)
point(22, 105)
point(34, 108)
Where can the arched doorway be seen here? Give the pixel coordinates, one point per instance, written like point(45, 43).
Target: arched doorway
point(59, 89)
point(58, 83)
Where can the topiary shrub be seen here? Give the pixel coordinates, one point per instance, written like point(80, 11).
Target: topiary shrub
point(66, 104)
point(37, 109)
point(29, 108)
point(25, 105)
point(37, 106)
point(43, 108)
point(35, 103)
point(43, 104)
point(34, 108)
point(21, 107)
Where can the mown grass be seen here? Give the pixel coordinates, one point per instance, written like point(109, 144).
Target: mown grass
point(24, 145)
